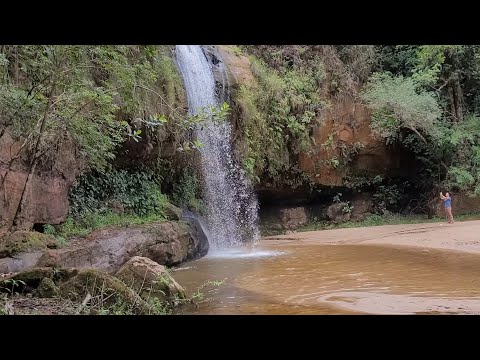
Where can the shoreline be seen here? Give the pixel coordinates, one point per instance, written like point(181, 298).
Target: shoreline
point(461, 236)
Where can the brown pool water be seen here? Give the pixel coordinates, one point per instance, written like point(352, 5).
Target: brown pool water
point(294, 278)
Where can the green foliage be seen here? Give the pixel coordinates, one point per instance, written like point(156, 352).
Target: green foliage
point(462, 142)
point(337, 198)
point(188, 192)
point(398, 103)
point(398, 59)
point(362, 180)
point(79, 227)
point(51, 95)
point(11, 285)
point(278, 113)
point(138, 192)
point(333, 163)
point(347, 208)
point(95, 96)
point(379, 220)
point(386, 198)
point(199, 296)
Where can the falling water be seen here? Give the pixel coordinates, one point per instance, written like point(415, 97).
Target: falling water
point(232, 204)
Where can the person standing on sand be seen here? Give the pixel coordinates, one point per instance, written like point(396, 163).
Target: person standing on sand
point(447, 202)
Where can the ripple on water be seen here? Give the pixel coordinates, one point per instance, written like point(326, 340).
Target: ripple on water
point(242, 253)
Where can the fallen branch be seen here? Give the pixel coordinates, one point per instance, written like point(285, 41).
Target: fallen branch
point(84, 303)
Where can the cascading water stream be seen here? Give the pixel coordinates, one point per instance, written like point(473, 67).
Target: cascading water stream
point(231, 203)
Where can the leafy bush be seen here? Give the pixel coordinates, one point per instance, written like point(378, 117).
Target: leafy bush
point(398, 103)
point(137, 192)
point(188, 192)
point(278, 112)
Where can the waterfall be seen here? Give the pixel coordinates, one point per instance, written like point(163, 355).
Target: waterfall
point(231, 203)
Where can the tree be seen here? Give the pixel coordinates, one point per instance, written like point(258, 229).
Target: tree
point(399, 103)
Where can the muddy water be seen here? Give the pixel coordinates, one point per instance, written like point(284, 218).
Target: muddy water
point(293, 278)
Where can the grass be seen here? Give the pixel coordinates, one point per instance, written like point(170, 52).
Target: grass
point(94, 221)
point(378, 220)
point(3, 302)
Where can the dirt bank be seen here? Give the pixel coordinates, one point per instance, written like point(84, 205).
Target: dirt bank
point(460, 236)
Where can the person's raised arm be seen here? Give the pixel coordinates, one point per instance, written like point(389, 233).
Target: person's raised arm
point(442, 197)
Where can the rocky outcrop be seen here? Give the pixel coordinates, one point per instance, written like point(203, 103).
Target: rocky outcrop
point(45, 191)
point(150, 279)
point(25, 241)
point(342, 133)
point(197, 231)
point(293, 218)
point(343, 143)
point(362, 207)
point(237, 64)
point(167, 243)
point(336, 212)
point(172, 212)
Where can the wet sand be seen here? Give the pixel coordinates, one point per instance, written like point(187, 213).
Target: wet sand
point(460, 236)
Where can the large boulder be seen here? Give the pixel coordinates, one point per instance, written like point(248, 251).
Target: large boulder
point(336, 212)
point(107, 291)
point(167, 243)
point(150, 279)
point(200, 244)
point(362, 207)
point(292, 218)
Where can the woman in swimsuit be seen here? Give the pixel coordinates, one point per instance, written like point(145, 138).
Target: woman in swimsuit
point(447, 202)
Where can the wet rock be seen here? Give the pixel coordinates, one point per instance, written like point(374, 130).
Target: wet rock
point(150, 279)
point(292, 218)
point(172, 212)
point(238, 65)
point(199, 247)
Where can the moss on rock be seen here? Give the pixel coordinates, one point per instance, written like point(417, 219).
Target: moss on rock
point(110, 291)
point(24, 241)
point(150, 280)
point(47, 288)
point(172, 212)
point(31, 279)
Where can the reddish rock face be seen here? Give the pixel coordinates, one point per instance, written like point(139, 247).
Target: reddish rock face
point(238, 65)
point(345, 123)
point(292, 218)
point(46, 192)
